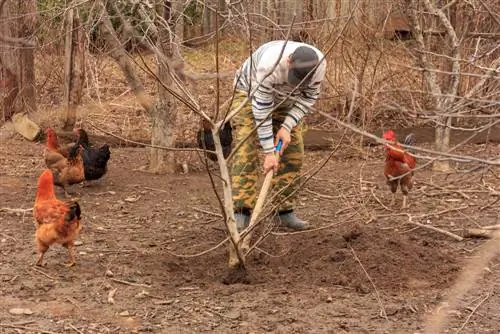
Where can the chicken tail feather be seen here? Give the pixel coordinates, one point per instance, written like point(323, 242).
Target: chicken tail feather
point(410, 140)
point(73, 213)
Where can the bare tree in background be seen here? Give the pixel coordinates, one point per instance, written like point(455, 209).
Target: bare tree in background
point(163, 112)
point(439, 51)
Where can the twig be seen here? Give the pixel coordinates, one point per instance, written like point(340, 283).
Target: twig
point(111, 295)
point(73, 301)
point(31, 329)
point(438, 155)
point(489, 205)
point(119, 251)
point(156, 189)
point(15, 210)
point(491, 227)
point(22, 323)
point(75, 329)
point(321, 195)
point(44, 274)
point(9, 237)
point(145, 144)
point(207, 212)
point(378, 200)
point(382, 309)
point(472, 312)
point(130, 283)
point(436, 229)
point(446, 189)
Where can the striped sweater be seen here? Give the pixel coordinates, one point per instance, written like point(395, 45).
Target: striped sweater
point(274, 88)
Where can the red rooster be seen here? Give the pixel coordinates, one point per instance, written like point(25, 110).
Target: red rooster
point(399, 165)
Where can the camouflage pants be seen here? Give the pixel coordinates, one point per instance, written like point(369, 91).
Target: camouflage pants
point(245, 166)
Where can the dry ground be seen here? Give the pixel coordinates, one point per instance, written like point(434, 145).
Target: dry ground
point(302, 283)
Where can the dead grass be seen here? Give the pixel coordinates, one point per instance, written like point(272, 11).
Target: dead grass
point(109, 103)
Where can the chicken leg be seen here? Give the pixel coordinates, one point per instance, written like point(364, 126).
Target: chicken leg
point(42, 248)
point(71, 253)
point(404, 190)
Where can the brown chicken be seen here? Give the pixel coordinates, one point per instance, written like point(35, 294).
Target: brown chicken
point(54, 158)
point(56, 221)
point(73, 172)
point(399, 165)
point(54, 152)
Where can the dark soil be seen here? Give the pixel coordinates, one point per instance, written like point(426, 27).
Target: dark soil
point(322, 281)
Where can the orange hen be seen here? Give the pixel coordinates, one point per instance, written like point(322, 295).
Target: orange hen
point(399, 165)
point(56, 221)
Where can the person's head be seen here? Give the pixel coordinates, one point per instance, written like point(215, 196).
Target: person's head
point(302, 61)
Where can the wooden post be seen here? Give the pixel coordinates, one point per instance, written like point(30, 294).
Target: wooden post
point(74, 67)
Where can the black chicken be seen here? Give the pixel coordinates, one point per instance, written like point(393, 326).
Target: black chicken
point(95, 160)
point(206, 139)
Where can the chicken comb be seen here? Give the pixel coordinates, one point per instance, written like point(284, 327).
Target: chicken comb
point(389, 135)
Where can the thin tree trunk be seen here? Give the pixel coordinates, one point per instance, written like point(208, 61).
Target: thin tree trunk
point(164, 113)
point(26, 29)
point(74, 67)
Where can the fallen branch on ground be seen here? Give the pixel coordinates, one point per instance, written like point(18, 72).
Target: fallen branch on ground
point(130, 283)
point(478, 233)
point(436, 229)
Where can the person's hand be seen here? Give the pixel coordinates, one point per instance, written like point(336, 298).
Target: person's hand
point(270, 162)
point(285, 137)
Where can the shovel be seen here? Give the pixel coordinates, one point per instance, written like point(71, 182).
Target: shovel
point(245, 245)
